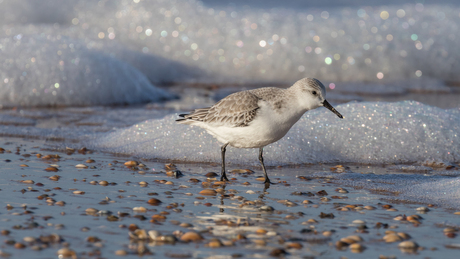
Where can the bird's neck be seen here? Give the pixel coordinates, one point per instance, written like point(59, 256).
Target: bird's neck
point(296, 104)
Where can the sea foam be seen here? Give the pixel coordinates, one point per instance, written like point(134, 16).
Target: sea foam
point(371, 132)
point(241, 44)
point(42, 70)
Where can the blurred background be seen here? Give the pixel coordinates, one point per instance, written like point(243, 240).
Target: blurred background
point(84, 52)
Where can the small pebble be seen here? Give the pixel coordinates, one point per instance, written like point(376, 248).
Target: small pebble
point(403, 235)
point(259, 242)
point(356, 248)
point(139, 209)
point(341, 245)
point(358, 222)
point(242, 171)
point(211, 175)
point(91, 211)
point(294, 245)
point(191, 237)
point(60, 203)
point(92, 239)
point(66, 253)
point(141, 234)
point(82, 166)
point(356, 238)
point(158, 217)
point(450, 235)
point(399, 218)
point(121, 252)
point(327, 233)
point(277, 252)
point(449, 230)
point(408, 244)
point(341, 190)
point(29, 239)
point(208, 192)
point(215, 243)
point(51, 169)
point(390, 238)
point(131, 163)
point(19, 245)
point(261, 231)
point(153, 201)
point(266, 208)
point(154, 234)
point(54, 178)
point(348, 240)
point(186, 225)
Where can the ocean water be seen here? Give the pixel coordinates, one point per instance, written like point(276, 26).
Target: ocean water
point(63, 62)
point(217, 42)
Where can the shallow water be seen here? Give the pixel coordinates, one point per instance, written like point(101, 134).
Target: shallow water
point(235, 209)
point(149, 132)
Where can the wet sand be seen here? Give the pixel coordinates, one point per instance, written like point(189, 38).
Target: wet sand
point(106, 209)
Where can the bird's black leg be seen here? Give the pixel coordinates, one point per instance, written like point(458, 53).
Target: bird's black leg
point(223, 176)
point(261, 159)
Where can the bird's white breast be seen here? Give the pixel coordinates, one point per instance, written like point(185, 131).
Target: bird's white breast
point(268, 126)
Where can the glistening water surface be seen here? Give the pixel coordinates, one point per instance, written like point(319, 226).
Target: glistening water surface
point(85, 204)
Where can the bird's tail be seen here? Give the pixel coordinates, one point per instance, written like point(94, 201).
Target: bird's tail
point(182, 120)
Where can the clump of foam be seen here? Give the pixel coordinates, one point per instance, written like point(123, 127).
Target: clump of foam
point(371, 132)
point(40, 70)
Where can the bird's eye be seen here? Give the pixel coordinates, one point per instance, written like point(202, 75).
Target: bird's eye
point(314, 92)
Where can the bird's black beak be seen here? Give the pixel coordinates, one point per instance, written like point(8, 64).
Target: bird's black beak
point(332, 109)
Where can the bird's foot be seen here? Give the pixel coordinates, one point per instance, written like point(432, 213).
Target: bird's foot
point(224, 178)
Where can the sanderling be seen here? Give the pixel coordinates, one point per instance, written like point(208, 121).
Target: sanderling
point(258, 117)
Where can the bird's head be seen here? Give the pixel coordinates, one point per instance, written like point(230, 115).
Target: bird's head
point(312, 94)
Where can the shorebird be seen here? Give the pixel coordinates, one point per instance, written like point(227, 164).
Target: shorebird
point(258, 117)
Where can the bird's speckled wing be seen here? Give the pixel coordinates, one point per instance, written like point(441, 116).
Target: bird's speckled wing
point(235, 110)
